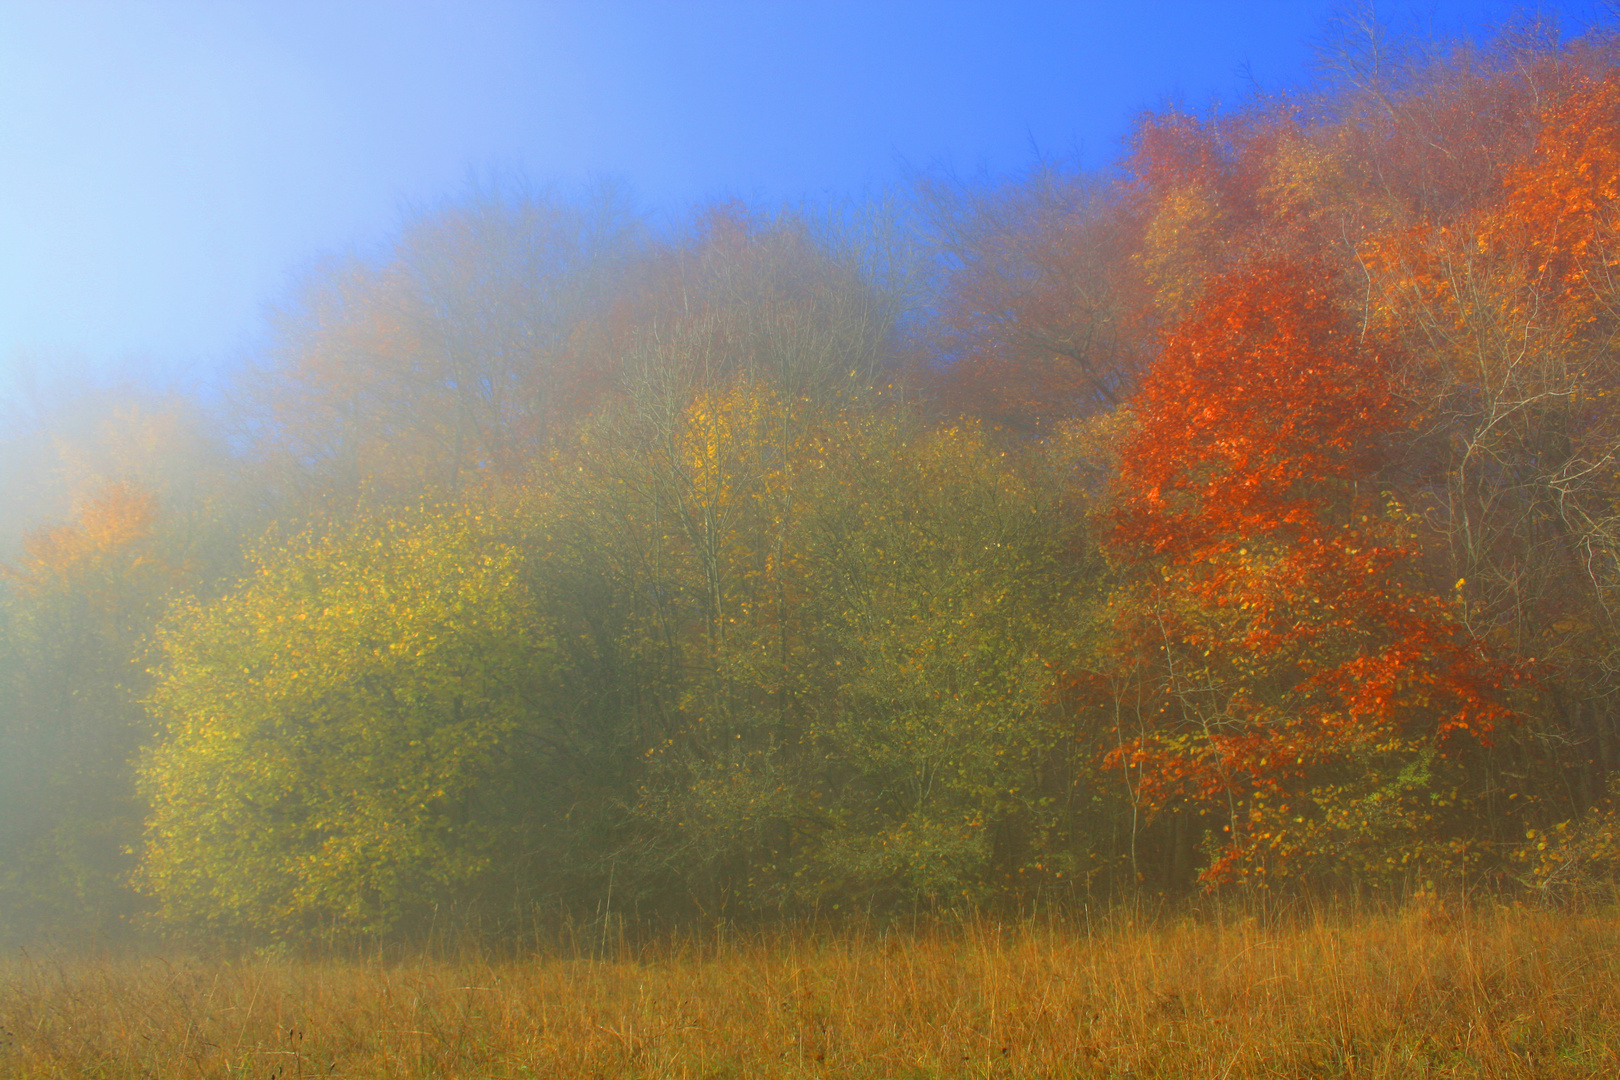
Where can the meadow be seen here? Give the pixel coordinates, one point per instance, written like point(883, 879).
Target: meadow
point(1426, 990)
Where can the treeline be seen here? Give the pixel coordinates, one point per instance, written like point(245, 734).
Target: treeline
point(1246, 515)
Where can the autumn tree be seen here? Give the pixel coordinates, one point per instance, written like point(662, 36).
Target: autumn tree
point(1035, 308)
point(345, 739)
point(875, 718)
point(67, 435)
point(682, 508)
point(944, 610)
point(453, 353)
point(1304, 692)
point(1509, 317)
point(1410, 132)
point(699, 526)
point(76, 606)
point(1207, 518)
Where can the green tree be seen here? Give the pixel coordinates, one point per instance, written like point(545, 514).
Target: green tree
point(680, 514)
point(944, 618)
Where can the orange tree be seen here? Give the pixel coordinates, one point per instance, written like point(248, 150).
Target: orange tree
point(1297, 680)
point(1509, 318)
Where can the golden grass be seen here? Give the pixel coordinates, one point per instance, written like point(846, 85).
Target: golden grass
point(1494, 993)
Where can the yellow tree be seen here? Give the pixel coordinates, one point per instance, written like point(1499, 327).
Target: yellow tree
point(343, 738)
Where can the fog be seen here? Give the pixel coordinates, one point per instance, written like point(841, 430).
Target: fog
point(830, 469)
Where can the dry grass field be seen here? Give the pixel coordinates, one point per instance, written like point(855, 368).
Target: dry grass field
point(1495, 992)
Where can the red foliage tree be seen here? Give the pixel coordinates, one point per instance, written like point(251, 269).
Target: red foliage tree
point(1302, 671)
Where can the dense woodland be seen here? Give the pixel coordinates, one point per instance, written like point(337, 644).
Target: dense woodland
point(1243, 517)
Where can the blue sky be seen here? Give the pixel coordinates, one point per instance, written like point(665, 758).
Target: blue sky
point(167, 168)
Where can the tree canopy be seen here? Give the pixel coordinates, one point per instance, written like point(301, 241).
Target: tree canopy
point(1247, 515)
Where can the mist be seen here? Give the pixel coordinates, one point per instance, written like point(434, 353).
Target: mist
point(1192, 489)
